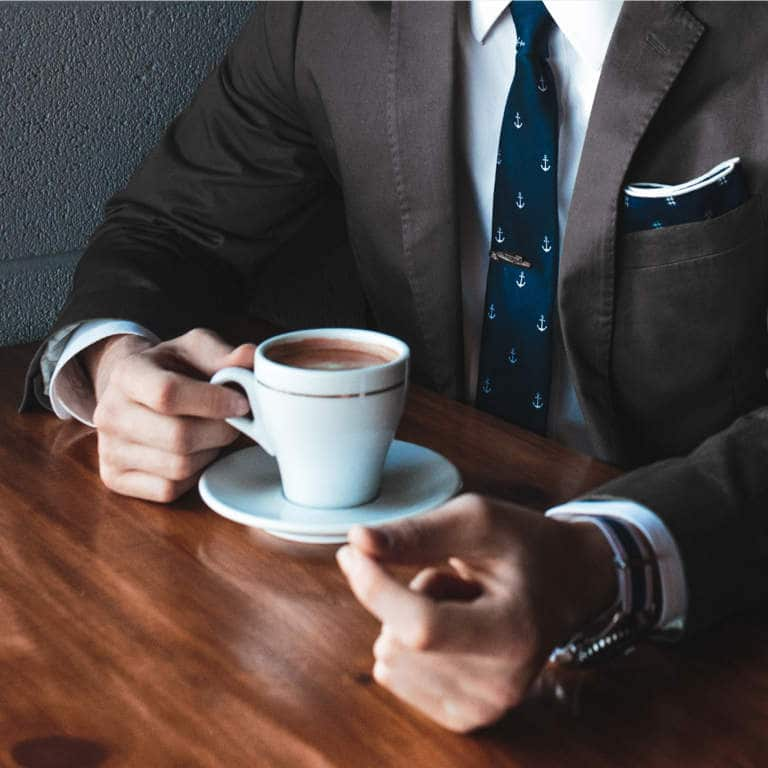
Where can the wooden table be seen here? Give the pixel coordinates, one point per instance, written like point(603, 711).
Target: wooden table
point(135, 634)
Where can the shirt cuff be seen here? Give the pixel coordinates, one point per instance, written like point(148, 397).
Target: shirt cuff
point(674, 593)
point(70, 388)
point(50, 356)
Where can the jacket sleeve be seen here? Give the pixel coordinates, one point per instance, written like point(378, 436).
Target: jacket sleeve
point(234, 177)
point(714, 503)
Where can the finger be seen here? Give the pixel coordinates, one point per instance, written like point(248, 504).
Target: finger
point(142, 485)
point(480, 571)
point(388, 600)
point(125, 456)
point(207, 352)
point(418, 621)
point(435, 692)
point(467, 679)
point(491, 676)
point(388, 647)
point(462, 526)
point(176, 434)
point(441, 584)
point(175, 394)
point(463, 569)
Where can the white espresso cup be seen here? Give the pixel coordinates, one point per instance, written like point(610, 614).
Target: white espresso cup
point(325, 403)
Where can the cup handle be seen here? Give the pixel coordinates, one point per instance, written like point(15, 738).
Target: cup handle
point(254, 427)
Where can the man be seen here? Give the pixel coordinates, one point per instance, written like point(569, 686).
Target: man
point(657, 355)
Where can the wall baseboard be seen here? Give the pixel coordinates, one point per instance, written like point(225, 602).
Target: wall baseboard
point(32, 292)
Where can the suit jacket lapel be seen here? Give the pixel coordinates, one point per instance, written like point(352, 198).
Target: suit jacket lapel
point(649, 47)
point(420, 123)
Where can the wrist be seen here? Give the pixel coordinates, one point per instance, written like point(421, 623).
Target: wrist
point(99, 359)
point(633, 613)
point(592, 582)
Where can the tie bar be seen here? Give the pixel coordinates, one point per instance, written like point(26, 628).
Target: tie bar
point(511, 258)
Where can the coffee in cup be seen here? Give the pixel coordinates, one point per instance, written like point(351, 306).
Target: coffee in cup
point(326, 404)
point(329, 354)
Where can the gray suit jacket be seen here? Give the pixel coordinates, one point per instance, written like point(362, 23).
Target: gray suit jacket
point(325, 144)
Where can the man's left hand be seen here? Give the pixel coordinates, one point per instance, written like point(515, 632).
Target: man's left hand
point(466, 639)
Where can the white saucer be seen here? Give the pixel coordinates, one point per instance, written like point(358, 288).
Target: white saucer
point(245, 487)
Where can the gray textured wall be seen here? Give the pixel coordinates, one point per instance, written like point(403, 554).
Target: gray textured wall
point(85, 91)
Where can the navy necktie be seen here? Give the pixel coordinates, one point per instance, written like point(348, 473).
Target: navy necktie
point(516, 346)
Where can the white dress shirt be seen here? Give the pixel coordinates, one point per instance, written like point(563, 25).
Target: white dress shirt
point(487, 45)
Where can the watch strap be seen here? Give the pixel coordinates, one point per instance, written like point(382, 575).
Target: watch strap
point(633, 615)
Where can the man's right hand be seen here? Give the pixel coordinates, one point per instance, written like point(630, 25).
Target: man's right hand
point(159, 423)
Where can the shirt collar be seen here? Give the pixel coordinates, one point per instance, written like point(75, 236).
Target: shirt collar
point(588, 24)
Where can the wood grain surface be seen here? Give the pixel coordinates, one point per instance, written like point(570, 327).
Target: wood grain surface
point(136, 634)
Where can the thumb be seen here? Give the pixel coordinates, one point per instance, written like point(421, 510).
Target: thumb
point(241, 357)
point(462, 527)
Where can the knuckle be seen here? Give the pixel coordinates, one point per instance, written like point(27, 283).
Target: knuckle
point(180, 467)
point(167, 491)
point(482, 512)
point(179, 437)
point(197, 335)
point(164, 397)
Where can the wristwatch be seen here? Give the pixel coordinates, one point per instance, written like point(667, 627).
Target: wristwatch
point(636, 610)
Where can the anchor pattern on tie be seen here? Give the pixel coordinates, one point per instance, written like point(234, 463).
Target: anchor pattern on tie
point(515, 352)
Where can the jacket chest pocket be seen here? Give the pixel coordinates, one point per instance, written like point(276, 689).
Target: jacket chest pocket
point(690, 346)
